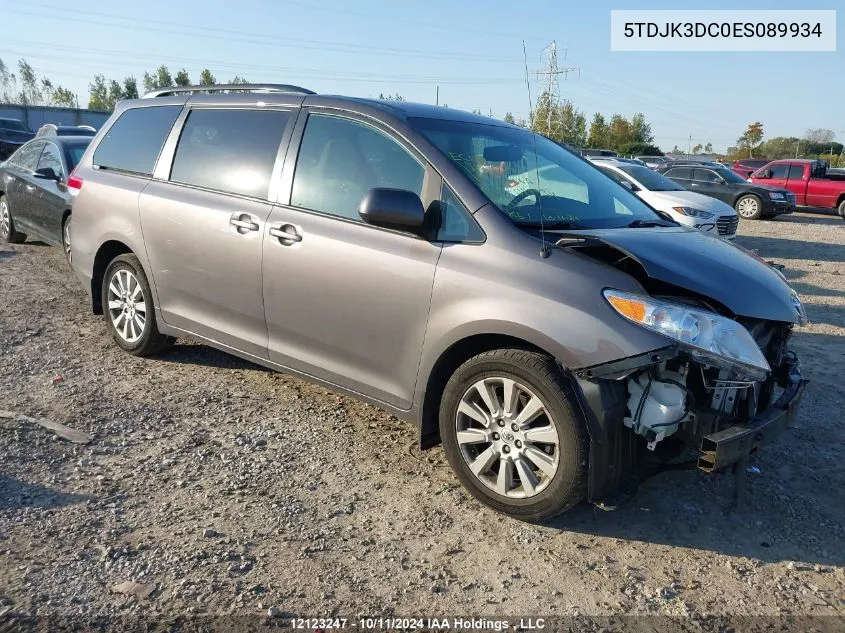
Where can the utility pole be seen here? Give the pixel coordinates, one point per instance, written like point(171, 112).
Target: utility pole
point(552, 90)
point(797, 147)
point(437, 97)
point(689, 147)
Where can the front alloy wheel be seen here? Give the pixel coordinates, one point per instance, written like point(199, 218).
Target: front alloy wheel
point(514, 433)
point(507, 437)
point(66, 240)
point(749, 207)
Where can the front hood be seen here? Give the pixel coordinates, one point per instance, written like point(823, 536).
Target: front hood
point(13, 136)
point(688, 199)
point(727, 273)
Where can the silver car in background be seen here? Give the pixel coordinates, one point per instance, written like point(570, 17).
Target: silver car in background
point(689, 208)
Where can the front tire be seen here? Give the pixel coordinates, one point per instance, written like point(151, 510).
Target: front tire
point(842, 209)
point(7, 224)
point(128, 308)
point(514, 434)
point(749, 207)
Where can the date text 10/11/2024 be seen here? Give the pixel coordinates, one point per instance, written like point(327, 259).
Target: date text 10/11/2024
point(412, 624)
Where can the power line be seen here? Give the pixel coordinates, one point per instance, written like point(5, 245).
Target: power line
point(160, 27)
point(552, 92)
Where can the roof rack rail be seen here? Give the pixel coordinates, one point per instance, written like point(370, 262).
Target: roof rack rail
point(166, 92)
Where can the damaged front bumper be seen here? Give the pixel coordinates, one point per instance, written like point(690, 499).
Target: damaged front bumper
point(619, 458)
point(730, 445)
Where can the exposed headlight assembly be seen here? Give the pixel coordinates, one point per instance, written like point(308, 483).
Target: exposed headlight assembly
point(775, 195)
point(708, 337)
point(694, 213)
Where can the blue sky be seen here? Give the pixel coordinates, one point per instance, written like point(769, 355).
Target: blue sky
point(472, 49)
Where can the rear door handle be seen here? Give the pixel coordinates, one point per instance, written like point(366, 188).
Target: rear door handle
point(244, 222)
point(30, 188)
point(286, 233)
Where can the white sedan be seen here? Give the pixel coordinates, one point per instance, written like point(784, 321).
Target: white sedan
point(686, 207)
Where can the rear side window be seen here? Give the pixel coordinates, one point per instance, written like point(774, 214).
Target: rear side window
point(706, 175)
point(27, 156)
point(135, 140)
point(684, 173)
point(229, 150)
point(796, 172)
point(50, 158)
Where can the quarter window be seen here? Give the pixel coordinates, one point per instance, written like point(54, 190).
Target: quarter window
point(50, 158)
point(340, 160)
point(229, 150)
point(134, 141)
point(456, 223)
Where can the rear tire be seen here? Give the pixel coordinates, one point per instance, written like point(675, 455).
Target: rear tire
point(66, 240)
point(528, 466)
point(7, 224)
point(128, 308)
point(842, 209)
point(749, 207)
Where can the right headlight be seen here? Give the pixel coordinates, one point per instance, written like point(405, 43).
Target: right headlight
point(707, 336)
point(694, 213)
point(776, 195)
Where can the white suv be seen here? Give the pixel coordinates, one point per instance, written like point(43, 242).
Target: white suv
point(686, 207)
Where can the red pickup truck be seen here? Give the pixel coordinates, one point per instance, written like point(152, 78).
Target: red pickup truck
point(809, 180)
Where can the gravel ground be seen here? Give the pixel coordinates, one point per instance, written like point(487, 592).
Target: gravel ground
point(213, 486)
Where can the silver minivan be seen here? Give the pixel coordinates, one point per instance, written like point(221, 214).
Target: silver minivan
point(557, 345)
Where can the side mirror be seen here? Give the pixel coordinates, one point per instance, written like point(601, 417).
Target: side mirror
point(47, 173)
point(393, 209)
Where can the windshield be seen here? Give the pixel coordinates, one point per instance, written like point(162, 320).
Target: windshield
point(732, 177)
point(73, 154)
point(649, 179)
point(533, 180)
point(12, 124)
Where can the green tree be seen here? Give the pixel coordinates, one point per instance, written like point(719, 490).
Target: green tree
point(599, 135)
point(237, 79)
point(206, 78)
point(509, 118)
point(752, 137)
point(819, 135)
point(161, 78)
point(620, 131)
point(115, 94)
point(708, 148)
point(98, 93)
point(573, 125)
point(130, 88)
point(398, 97)
point(64, 98)
point(696, 149)
point(30, 90)
point(640, 130)
point(182, 78)
point(637, 148)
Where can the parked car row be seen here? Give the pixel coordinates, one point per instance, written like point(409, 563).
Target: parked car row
point(809, 182)
point(544, 322)
point(14, 133)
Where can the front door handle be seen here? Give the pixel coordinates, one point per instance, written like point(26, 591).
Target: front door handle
point(243, 222)
point(30, 188)
point(286, 233)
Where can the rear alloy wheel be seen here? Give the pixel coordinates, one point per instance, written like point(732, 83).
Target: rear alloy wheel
point(66, 240)
point(7, 224)
point(749, 207)
point(128, 308)
point(514, 435)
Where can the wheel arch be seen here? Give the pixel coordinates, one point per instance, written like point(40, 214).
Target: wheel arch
point(105, 254)
point(447, 362)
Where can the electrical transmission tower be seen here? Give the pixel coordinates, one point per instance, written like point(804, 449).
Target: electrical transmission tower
point(550, 74)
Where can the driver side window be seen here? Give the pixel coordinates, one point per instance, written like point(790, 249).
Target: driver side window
point(341, 159)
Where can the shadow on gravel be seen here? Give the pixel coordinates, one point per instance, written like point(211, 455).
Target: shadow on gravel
point(779, 248)
point(16, 494)
point(766, 531)
point(195, 354)
point(819, 217)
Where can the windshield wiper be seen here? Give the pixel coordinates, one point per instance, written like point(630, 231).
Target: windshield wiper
point(552, 226)
point(645, 224)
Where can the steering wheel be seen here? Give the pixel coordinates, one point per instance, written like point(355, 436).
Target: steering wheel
point(522, 196)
